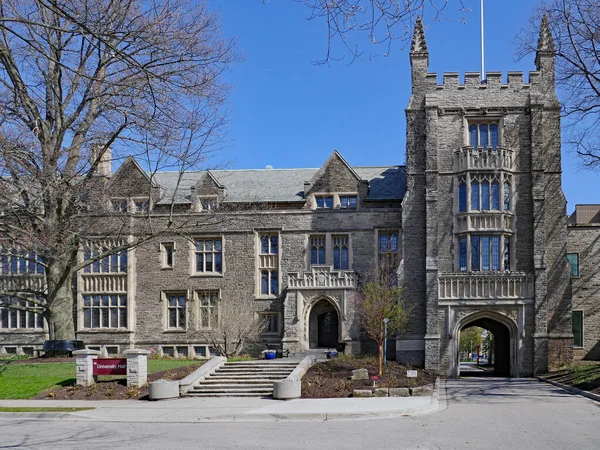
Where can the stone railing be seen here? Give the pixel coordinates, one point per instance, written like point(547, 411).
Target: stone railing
point(492, 286)
point(484, 221)
point(320, 277)
point(469, 158)
point(105, 282)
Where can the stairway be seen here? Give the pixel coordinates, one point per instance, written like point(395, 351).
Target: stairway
point(243, 379)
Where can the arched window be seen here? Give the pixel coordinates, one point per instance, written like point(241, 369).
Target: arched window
point(495, 195)
point(462, 197)
point(475, 195)
point(475, 254)
point(506, 196)
point(483, 135)
point(463, 254)
point(485, 196)
point(494, 135)
point(473, 136)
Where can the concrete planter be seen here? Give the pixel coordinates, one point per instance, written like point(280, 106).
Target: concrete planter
point(287, 389)
point(160, 390)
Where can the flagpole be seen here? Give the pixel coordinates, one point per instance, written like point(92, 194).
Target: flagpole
point(482, 46)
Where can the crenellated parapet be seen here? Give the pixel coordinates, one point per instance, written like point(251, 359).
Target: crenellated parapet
point(514, 81)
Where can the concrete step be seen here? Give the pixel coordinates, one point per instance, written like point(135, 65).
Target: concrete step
point(230, 394)
point(251, 372)
point(245, 378)
point(233, 387)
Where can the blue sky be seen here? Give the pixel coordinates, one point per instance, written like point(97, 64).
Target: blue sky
point(288, 112)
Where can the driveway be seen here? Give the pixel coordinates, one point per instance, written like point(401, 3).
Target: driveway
point(485, 413)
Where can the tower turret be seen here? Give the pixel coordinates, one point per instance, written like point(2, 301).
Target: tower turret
point(419, 55)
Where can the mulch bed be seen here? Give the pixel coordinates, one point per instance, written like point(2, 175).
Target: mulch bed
point(112, 389)
point(331, 379)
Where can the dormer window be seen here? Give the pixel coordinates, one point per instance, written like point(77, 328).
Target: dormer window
point(141, 206)
point(120, 205)
point(324, 201)
point(208, 203)
point(348, 201)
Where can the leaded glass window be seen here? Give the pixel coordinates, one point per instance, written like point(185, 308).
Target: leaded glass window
point(340, 253)
point(317, 250)
point(209, 255)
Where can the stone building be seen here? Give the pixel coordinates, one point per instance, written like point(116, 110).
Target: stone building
point(476, 221)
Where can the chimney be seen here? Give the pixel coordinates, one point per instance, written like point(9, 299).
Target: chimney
point(101, 155)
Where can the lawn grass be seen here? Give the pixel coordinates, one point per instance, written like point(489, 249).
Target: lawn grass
point(27, 409)
point(21, 381)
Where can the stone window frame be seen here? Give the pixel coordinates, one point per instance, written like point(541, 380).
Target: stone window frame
point(483, 120)
point(9, 316)
point(336, 200)
point(458, 268)
point(267, 262)
point(116, 263)
point(193, 252)
point(575, 270)
point(119, 307)
point(269, 315)
point(166, 295)
point(582, 327)
point(394, 255)
point(329, 248)
point(164, 255)
point(465, 181)
point(208, 202)
point(20, 262)
point(199, 308)
point(340, 242)
point(131, 204)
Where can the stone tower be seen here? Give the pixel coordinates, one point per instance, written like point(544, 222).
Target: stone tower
point(484, 219)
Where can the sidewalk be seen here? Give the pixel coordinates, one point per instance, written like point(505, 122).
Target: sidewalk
point(229, 409)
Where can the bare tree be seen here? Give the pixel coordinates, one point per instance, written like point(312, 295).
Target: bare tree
point(80, 77)
point(380, 300)
point(233, 325)
point(575, 28)
point(380, 21)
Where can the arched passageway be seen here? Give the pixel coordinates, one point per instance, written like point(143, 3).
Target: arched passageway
point(323, 325)
point(500, 353)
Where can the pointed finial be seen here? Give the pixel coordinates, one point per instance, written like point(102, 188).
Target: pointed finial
point(418, 44)
point(545, 42)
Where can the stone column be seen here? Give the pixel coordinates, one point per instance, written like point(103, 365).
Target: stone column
point(137, 367)
point(84, 366)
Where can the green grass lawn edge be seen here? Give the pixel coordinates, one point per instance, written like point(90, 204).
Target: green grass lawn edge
point(42, 409)
point(23, 381)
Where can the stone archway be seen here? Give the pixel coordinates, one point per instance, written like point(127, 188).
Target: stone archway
point(323, 325)
point(504, 329)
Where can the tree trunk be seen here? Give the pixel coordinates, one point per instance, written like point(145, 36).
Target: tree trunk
point(60, 311)
point(380, 345)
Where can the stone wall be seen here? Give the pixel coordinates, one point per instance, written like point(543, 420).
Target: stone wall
point(585, 241)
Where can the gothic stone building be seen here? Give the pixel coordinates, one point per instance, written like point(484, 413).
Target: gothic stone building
point(476, 221)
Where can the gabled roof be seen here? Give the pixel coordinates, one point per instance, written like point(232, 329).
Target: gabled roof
point(335, 158)
point(125, 168)
point(277, 185)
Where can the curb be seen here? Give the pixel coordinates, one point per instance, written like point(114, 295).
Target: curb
point(571, 389)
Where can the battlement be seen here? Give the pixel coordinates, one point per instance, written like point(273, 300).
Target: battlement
point(472, 80)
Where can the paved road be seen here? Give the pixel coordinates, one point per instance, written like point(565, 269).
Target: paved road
point(488, 413)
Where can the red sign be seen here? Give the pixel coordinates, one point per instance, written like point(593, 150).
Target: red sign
point(108, 366)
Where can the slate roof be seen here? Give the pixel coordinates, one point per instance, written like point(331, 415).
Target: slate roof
point(276, 185)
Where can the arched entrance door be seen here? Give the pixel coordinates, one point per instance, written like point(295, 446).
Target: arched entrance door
point(323, 325)
point(501, 355)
